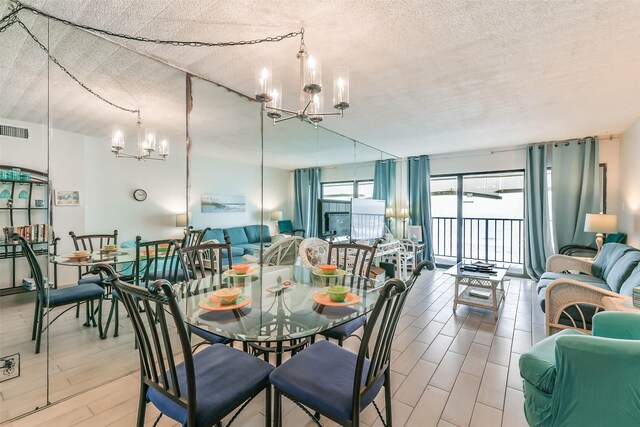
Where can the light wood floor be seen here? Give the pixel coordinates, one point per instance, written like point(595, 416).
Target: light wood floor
point(449, 369)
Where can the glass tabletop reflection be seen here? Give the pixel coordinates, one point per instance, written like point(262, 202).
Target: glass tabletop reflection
point(277, 303)
point(120, 256)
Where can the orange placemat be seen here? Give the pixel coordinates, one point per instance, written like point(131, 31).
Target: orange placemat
point(213, 303)
point(322, 298)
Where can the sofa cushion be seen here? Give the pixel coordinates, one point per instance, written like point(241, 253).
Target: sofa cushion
point(538, 364)
point(632, 281)
point(609, 255)
point(253, 233)
point(622, 270)
point(249, 248)
point(214, 234)
point(237, 235)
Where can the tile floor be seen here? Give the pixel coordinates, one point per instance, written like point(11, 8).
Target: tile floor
point(449, 369)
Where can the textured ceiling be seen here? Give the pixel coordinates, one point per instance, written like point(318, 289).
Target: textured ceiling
point(426, 77)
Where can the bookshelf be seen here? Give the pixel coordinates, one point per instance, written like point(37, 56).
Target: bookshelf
point(20, 214)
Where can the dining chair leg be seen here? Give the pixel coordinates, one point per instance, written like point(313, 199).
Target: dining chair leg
point(100, 331)
point(142, 404)
point(39, 328)
point(267, 408)
point(387, 397)
point(36, 313)
point(116, 322)
point(277, 408)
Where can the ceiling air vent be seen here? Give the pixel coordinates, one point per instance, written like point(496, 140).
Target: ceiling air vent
point(14, 132)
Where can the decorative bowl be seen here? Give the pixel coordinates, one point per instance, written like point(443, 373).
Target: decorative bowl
point(328, 268)
point(241, 269)
point(80, 253)
point(227, 296)
point(337, 293)
point(109, 247)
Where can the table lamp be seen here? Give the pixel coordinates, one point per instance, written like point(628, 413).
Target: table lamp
point(600, 224)
point(388, 212)
point(404, 214)
point(181, 220)
point(276, 215)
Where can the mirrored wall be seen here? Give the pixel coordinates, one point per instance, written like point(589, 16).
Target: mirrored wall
point(228, 169)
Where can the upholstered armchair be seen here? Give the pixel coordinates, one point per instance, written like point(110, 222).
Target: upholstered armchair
point(574, 379)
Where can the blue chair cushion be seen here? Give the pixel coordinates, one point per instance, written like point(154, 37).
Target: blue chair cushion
point(622, 270)
point(285, 226)
point(248, 248)
point(253, 233)
point(214, 234)
point(237, 235)
point(607, 258)
point(538, 364)
point(346, 329)
point(96, 280)
point(225, 377)
point(73, 294)
point(322, 376)
point(208, 336)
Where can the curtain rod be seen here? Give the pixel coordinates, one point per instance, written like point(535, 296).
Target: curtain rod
point(506, 150)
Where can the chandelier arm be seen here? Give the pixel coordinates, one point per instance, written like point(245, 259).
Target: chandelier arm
point(296, 116)
point(304, 111)
point(295, 113)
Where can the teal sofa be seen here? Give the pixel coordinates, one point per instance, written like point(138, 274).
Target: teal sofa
point(572, 289)
point(244, 240)
point(575, 379)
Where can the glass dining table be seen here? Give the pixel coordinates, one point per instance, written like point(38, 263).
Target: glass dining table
point(278, 305)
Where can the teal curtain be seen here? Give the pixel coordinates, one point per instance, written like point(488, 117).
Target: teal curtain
point(306, 184)
point(384, 182)
point(536, 216)
point(575, 179)
point(419, 189)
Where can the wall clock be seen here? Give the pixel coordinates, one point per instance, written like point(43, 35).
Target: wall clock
point(140, 195)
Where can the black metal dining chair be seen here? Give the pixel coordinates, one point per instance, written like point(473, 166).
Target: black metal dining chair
point(51, 298)
point(90, 243)
point(338, 383)
point(156, 259)
point(206, 386)
point(356, 259)
point(192, 259)
point(193, 237)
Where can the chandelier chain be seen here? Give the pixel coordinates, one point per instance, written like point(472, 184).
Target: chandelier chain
point(12, 18)
point(68, 73)
point(181, 43)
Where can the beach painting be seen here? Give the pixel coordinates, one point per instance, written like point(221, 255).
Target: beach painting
point(67, 198)
point(213, 203)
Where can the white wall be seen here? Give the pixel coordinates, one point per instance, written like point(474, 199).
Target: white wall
point(222, 177)
point(629, 184)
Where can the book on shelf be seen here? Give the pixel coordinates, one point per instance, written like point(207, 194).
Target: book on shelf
point(34, 233)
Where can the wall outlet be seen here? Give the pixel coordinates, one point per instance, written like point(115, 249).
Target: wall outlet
point(9, 367)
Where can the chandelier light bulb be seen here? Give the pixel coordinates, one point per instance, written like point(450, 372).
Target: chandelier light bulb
point(315, 109)
point(263, 81)
point(341, 88)
point(164, 148)
point(276, 101)
point(117, 142)
point(312, 75)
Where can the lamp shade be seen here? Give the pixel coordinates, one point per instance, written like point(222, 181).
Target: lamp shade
point(601, 223)
point(388, 212)
point(181, 220)
point(404, 213)
point(276, 215)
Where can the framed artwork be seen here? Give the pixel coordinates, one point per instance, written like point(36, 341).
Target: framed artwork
point(67, 198)
point(212, 203)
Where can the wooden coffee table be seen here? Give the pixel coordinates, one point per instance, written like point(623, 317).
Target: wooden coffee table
point(470, 281)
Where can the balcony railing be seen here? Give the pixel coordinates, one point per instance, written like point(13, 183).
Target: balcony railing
point(487, 239)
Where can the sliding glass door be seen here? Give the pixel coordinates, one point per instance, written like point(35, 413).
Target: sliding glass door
point(478, 217)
